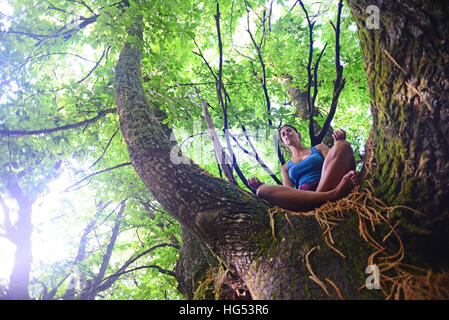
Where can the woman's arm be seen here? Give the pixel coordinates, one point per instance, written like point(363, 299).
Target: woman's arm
point(323, 149)
point(338, 134)
point(285, 178)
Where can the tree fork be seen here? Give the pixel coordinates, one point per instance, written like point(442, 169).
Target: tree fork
point(213, 204)
point(234, 224)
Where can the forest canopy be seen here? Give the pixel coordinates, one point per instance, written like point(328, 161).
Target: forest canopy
point(70, 198)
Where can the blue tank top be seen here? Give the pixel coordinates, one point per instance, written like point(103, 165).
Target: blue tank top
point(307, 170)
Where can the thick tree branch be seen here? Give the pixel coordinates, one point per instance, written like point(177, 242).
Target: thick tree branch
point(20, 235)
point(111, 244)
point(100, 115)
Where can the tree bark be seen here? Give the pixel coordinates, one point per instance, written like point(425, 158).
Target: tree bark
point(406, 61)
point(194, 261)
point(299, 101)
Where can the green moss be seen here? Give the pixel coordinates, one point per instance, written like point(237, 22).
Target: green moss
point(306, 291)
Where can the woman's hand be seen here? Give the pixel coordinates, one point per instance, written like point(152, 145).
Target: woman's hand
point(254, 183)
point(339, 134)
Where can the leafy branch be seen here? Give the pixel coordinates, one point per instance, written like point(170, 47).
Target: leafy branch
point(312, 78)
point(100, 115)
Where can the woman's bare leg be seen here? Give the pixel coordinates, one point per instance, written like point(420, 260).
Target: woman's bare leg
point(339, 161)
point(293, 199)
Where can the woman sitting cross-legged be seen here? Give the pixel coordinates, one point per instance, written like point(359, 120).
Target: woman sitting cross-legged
point(313, 175)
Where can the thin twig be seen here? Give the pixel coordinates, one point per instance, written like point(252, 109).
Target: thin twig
point(105, 52)
point(106, 148)
point(95, 173)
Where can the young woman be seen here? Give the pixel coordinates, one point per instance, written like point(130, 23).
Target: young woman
point(313, 175)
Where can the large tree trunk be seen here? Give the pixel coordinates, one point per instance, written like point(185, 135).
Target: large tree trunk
point(195, 259)
point(406, 62)
point(235, 225)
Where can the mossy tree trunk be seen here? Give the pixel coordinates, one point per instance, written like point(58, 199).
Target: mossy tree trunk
point(406, 61)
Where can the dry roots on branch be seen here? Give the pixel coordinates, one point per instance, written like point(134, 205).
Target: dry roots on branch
point(405, 281)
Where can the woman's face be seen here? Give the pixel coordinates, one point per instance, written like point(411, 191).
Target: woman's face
point(289, 136)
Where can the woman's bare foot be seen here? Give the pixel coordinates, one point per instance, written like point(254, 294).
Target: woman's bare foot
point(345, 186)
